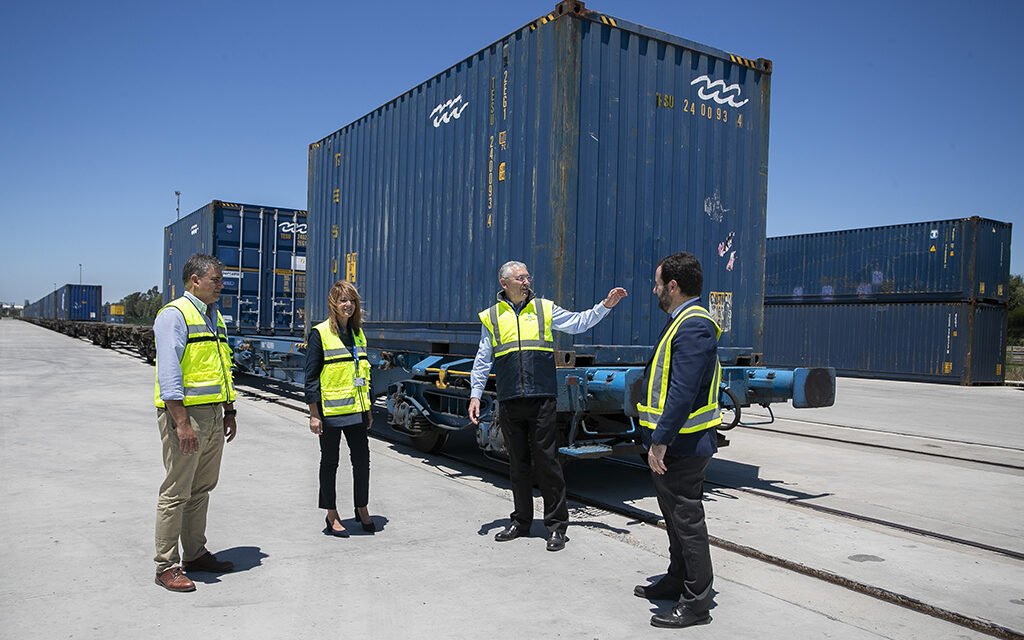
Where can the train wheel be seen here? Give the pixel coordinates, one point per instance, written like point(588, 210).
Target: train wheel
point(730, 408)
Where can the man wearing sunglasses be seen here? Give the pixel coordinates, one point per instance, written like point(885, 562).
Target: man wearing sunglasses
point(517, 339)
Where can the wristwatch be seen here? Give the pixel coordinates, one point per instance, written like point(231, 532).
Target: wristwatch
point(230, 412)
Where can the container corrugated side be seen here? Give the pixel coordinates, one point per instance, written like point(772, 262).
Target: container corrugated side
point(957, 342)
point(78, 302)
point(963, 259)
point(585, 146)
point(263, 249)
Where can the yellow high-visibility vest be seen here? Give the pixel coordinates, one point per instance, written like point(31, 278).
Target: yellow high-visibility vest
point(344, 380)
point(705, 417)
point(529, 330)
point(206, 361)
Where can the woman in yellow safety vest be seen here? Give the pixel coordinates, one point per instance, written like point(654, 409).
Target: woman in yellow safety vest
point(338, 394)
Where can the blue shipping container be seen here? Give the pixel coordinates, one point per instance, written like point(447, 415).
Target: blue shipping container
point(80, 302)
point(952, 342)
point(585, 146)
point(965, 259)
point(264, 252)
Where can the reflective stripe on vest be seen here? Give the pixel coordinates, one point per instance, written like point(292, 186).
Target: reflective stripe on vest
point(339, 394)
point(205, 362)
point(705, 417)
point(508, 334)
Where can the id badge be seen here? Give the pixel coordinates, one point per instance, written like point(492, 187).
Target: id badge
point(360, 382)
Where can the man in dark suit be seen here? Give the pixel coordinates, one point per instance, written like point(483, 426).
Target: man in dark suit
point(679, 410)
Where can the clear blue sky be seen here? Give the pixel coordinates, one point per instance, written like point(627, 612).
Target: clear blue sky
point(882, 111)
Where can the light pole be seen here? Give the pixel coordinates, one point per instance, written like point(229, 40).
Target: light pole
point(79, 273)
point(177, 206)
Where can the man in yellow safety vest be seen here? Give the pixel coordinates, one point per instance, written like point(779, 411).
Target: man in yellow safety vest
point(517, 338)
point(679, 413)
point(194, 396)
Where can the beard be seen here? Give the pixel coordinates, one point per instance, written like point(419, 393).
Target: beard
point(665, 301)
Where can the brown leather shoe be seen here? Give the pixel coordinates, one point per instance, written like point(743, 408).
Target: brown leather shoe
point(174, 580)
point(207, 562)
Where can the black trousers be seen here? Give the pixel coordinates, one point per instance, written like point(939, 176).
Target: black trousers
point(528, 425)
point(679, 495)
point(358, 452)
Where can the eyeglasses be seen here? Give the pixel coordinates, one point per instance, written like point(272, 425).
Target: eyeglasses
point(522, 279)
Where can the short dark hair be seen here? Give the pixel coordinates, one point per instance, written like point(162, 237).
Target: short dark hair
point(198, 264)
point(685, 269)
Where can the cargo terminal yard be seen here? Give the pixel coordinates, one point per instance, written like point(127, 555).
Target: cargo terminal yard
point(872, 518)
point(869, 475)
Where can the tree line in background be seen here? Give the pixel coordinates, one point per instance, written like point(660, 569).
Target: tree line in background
point(1015, 324)
point(141, 307)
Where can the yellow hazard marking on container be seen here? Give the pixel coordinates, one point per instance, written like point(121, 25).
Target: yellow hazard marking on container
point(334, 265)
point(284, 272)
point(954, 333)
point(350, 266)
point(932, 250)
point(746, 62)
point(999, 290)
point(542, 21)
point(334, 232)
point(947, 367)
point(336, 196)
point(501, 175)
point(608, 20)
point(337, 159)
point(981, 288)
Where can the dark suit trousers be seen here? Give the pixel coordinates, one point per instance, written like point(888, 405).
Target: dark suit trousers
point(528, 426)
point(358, 452)
point(679, 496)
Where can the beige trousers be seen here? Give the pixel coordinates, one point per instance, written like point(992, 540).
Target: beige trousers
point(185, 492)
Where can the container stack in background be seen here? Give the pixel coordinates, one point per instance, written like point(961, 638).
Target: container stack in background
point(263, 249)
point(923, 301)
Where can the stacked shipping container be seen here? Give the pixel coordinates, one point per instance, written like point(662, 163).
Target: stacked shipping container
point(264, 252)
point(923, 301)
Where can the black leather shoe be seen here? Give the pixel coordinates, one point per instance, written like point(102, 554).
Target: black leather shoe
point(511, 532)
point(207, 562)
point(556, 541)
point(658, 591)
point(679, 617)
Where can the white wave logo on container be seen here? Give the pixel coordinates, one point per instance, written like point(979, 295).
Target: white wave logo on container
point(719, 92)
point(446, 111)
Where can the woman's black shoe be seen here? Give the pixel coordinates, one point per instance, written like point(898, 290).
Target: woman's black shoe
point(331, 532)
point(367, 526)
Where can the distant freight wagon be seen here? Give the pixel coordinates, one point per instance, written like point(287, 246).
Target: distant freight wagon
point(587, 147)
point(263, 249)
point(72, 302)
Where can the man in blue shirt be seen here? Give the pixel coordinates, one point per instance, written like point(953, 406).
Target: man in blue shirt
point(680, 412)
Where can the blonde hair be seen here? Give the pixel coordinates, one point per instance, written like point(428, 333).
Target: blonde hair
point(342, 289)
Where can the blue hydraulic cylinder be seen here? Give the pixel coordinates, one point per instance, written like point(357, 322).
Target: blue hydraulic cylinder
point(806, 387)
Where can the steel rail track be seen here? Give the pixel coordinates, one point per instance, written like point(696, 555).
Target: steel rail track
point(873, 445)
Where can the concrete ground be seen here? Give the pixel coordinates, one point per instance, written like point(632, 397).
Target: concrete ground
point(80, 466)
